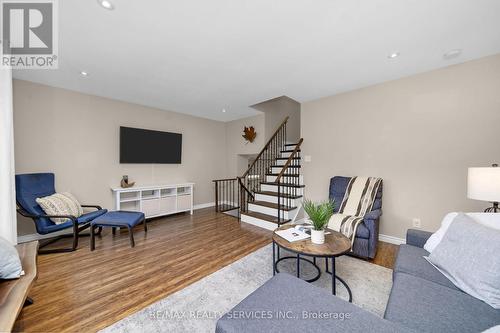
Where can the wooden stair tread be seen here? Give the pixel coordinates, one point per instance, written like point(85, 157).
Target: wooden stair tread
point(284, 175)
point(272, 205)
point(282, 184)
point(288, 151)
point(275, 194)
point(286, 158)
point(281, 166)
point(291, 144)
point(265, 217)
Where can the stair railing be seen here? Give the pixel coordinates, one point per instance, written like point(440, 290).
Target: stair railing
point(227, 194)
point(288, 182)
point(259, 168)
point(246, 196)
point(250, 181)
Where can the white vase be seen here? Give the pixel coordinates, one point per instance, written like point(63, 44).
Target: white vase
point(317, 236)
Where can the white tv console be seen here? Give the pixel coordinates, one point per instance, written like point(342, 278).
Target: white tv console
point(155, 200)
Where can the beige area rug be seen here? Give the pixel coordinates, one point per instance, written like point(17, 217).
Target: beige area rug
point(197, 307)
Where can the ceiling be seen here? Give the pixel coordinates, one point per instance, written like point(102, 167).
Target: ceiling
point(199, 57)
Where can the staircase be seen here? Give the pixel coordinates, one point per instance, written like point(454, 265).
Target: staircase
point(270, 192)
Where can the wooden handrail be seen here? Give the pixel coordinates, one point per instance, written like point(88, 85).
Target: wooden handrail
point(266, 146)
point(292, 155)
point(244, 187)
point(223, 180)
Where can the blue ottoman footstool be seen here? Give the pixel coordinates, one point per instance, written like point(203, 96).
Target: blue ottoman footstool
point(117, 219)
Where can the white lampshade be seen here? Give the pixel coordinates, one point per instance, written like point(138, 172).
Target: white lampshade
point(484, 184)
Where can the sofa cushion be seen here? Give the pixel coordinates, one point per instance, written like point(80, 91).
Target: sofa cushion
point(468, 256)
point(298, 301)
point(491, 220)
point(410, 260)
point(417, 238)
point(119, 218)
point(85, 218)
point(430, 307)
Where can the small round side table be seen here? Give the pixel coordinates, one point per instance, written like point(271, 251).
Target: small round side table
point(335, 245)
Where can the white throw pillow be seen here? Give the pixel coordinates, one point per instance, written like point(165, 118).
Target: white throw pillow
point(59, 204)
point(491, 220)
point(76, 204)
point(10, 264)
point(468, 257)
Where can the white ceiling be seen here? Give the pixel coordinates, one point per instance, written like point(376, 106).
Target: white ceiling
point(199, 56)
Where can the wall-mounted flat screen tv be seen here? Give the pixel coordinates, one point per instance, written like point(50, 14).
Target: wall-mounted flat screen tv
point(146, 146)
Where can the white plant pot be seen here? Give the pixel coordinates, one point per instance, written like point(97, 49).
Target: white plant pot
point(317, 236)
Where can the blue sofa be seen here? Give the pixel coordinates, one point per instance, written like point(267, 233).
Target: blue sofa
point(366, 239)
point(421, 300)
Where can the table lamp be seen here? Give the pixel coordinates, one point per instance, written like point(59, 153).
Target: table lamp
point(484, 184)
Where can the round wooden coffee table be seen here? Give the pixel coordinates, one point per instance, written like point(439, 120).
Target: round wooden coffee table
point(335, 245)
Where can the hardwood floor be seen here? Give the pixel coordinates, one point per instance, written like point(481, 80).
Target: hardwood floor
point(85, 291)
point(386, 255)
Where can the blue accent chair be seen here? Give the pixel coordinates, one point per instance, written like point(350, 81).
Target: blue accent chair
point(366, 239)
point(36, 185)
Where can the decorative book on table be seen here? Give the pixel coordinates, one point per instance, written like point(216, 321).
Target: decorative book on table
point(292, 234)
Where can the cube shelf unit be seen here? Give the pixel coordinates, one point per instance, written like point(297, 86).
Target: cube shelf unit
point(155, 200)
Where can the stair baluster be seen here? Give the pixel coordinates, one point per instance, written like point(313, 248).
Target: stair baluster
point(292, 181)
point(243, 190)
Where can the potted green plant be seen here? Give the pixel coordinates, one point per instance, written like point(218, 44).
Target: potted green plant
point(319, 214)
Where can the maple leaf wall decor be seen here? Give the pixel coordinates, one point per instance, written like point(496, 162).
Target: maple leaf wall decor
point(249, 133)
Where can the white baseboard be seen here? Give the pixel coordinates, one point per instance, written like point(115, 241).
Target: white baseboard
point(391, 239)
point(33, 237)
point(204, 205)
point(381, 237)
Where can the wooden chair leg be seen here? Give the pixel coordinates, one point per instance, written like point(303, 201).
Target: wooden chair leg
point(75, 237)
point(131, 235)
point(113, 230)
point(99, 231)
point(92, 238)
point(145, 226)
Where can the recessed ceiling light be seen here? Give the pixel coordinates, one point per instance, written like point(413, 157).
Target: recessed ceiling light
point(84, 74)
point(393, 55)
point(223, 110)
point(106, 4)
point(452, 54)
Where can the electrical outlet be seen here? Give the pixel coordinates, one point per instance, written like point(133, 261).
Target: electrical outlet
point(417, 223)
point(307, 158)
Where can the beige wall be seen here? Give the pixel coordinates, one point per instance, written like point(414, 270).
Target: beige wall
point(420, 134)
point(275, 111)
point(76, 136)
point(237, 148)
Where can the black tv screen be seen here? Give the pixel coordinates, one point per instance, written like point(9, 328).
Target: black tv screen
point(147, 146)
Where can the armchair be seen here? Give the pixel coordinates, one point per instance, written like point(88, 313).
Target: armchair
point(366, 239)
point(36, 185)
